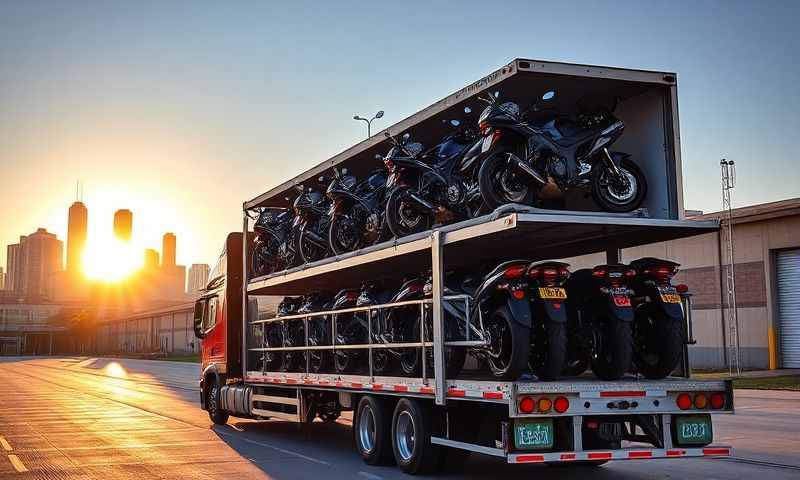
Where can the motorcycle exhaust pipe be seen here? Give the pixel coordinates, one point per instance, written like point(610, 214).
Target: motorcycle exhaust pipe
point(525, 168)
point(421, 204)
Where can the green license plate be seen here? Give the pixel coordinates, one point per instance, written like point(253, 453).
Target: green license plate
point(534, 433)
point(693, 429)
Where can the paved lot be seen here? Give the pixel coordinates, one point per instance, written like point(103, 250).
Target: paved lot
point(77, 418)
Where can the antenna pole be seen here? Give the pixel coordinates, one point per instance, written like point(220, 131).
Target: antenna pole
point(728, 173)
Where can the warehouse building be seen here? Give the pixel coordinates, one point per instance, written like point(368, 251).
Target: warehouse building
point(166, 330)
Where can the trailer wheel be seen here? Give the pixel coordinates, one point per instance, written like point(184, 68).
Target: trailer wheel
point(372, 431)
point(215, 412)
point(411, 437)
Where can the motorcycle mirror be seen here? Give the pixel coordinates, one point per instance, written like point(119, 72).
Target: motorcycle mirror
point(321, 179)
point(496, 94)
point(287, 198)
point(344, 171)
point(455, 123)
point(405, 137)
point(467, 110)
point(548, 95)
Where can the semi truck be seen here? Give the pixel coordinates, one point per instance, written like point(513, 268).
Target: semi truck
point(418, 421)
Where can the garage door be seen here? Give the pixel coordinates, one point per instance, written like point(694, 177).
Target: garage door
point(788, 269)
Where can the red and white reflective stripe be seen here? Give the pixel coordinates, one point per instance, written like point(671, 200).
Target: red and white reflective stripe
point(622, 454)
point(452, 392)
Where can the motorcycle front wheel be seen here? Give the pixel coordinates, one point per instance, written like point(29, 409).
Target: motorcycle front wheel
point(500, 184)
point(345, 235)
point(619, 195)
point(401, 216)
point(264, 260)
point(310, 251)
point(509, 344)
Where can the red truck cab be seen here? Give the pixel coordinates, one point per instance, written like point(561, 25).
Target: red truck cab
point(218, 320)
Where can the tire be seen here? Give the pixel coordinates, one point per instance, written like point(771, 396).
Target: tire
point(549, 350)
point(309, 252)
point(402, 219)
point(659, 345)
point(611, 201)
point(263, 261)
point(336, 234)
point(213, 405)
point(410, 358)
point(491, 182)
point(372, 431)
point(412, 426)
point(575, 367)
point(510, 347)
point(615, 354)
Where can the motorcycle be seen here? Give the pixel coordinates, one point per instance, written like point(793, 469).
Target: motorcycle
point(599, 321)
point(319, 332)
point(659, 318)
point(357, 211)
point(549, 339)
point(531, 157)
point(311, 224)
point(349, 330)
point(271, 228)
point(292, 334)
point(439, 186)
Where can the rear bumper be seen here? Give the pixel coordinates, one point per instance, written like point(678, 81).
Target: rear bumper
point(621, 454)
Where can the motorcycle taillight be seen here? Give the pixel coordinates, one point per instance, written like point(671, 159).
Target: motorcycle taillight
point(549, 275)
point(515, 271)
point(661, 273)
point(616, 275)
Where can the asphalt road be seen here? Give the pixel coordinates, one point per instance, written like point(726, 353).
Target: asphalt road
point(78, 418)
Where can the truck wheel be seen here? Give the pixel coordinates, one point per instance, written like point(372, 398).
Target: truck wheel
point(372, 432)
point(658, 346)
point(614, 356)
point(215, 412)
point(411, 437)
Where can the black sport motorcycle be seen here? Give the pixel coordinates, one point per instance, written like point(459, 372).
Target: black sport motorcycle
point(658, 329)
point(357, 211)
point(549, 337)
point(349, 330)
point(439, 186)
point(311, 224)
point(319, 332)
point(291, 334)
point(271, 229)
point(600, 317)
point(535, 157)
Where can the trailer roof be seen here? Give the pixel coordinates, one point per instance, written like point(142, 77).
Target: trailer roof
point(521, 79)
point(527, 233)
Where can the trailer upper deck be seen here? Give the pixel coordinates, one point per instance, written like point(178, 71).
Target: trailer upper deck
point(512, 231)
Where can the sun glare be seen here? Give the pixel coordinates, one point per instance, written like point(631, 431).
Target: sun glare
point(111, 260)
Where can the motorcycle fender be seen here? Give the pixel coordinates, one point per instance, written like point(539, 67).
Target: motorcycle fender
point(520, 310)
point(421, 167)
point(555, 311)
point(672, 311)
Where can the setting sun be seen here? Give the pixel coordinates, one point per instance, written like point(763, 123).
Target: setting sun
point(111, 260)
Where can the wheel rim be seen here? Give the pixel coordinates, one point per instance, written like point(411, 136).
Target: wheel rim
point(620, 192)
point(507, 184)
point(409, 218)
point(499, 339)
point(405, 435)
point(367, 429)
point(346, 234)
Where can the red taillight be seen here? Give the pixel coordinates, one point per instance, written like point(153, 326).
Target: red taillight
point(527, 404)
point(561, 404)
point(389, 164)
point(684, 401)
point(630, 273)
point(615, 274)
point(682, 288)
point(518, 294)
point(717, 400)
point(599, 272)
point(514, 271)
point(549, 274)
point(662, 273)
point(700, 401)
point(352, 296)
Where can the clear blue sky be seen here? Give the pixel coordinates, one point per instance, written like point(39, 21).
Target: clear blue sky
point(182, 110)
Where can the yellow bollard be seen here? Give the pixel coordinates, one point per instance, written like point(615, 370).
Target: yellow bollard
point(773, 349)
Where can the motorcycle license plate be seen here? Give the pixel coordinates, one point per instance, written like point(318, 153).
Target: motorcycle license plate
point(552, 293)
point(622, 300)
point(534, 433)
point(693, 429)
point(668, 295)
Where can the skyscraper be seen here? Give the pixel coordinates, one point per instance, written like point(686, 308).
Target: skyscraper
point(150, 260)
point(123, 224)
point(168, 250)
point(78, 219)
point(15, 262)
point(198, 277)
point(2, 279)
point(32, 262)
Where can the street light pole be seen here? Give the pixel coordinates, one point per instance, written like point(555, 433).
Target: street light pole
point(369, 122)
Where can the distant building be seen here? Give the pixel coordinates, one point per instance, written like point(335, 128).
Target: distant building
point(32, 262)
point(198, 277)
point(2, 279)
point(150, 260)
point(123, 224)
point(168, 250)
point(77, 223)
